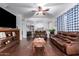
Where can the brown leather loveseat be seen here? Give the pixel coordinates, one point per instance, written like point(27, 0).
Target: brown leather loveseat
point(68, 42)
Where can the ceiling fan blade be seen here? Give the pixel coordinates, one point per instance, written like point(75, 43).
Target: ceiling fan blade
point(44, 13)
point(46, 10)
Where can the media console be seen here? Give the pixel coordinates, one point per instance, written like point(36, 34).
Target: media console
point(8, 38)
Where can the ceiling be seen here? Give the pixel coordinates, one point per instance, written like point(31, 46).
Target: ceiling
point(25, 9)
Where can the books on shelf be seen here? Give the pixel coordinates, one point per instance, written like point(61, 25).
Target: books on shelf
point(2, 34)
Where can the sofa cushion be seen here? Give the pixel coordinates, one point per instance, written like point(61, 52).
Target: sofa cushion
point(62, 43)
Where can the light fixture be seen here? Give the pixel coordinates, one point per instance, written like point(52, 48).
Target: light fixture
point(40, 11)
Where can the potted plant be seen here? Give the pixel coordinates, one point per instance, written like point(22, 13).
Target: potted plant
point(52, 31)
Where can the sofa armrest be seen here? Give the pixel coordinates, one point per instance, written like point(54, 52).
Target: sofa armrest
point(72, 48)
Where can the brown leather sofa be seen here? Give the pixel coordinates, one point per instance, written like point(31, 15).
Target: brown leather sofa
point(68, 42)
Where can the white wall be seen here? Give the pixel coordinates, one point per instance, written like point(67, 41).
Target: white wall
point(40, 26)
point(45, 22)
point(24, 28)
point(19, 24)
point(38, 22)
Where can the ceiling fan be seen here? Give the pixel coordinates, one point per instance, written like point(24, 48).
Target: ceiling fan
point(40, 11)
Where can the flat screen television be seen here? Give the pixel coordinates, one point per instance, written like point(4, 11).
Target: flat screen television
point(7, 19)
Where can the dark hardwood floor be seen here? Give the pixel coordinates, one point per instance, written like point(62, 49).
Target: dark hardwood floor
point(25, 49)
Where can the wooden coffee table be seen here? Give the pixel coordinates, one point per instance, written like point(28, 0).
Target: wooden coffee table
point(38, 45)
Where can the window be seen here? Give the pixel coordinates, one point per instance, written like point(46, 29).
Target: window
point(69, 21)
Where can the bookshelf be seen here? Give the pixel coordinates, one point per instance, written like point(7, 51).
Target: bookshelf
point(8, 38)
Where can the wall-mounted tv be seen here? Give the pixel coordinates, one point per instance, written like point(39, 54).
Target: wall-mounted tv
point(7, 19)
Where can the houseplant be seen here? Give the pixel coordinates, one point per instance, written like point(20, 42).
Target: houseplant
point(51, 31)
